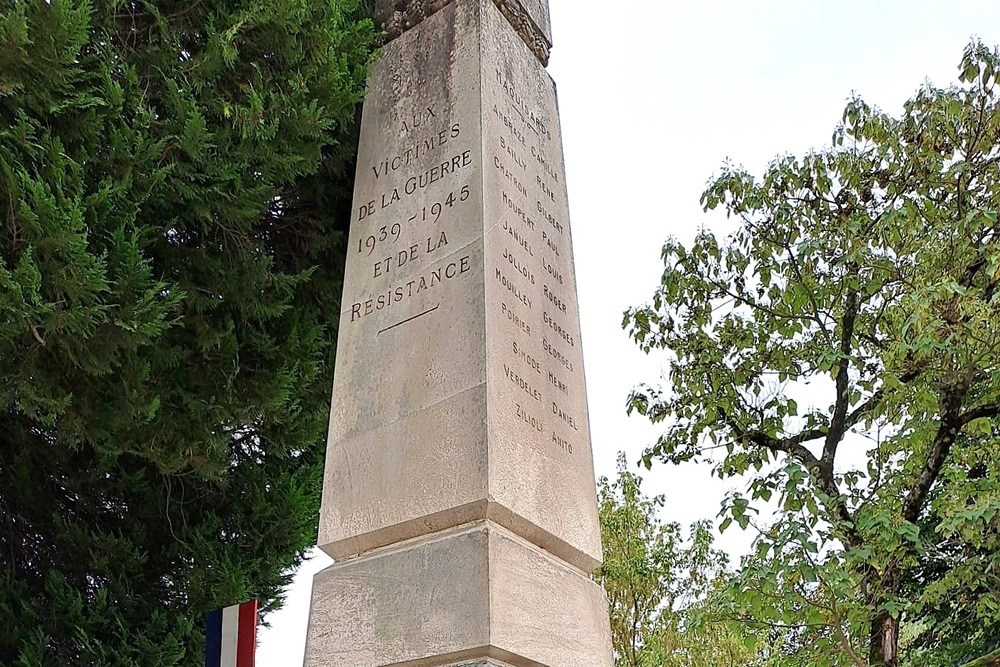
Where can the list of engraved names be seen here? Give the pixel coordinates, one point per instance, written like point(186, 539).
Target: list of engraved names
point(532, 269)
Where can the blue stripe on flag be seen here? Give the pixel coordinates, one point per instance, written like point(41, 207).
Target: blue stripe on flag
point(213, 639)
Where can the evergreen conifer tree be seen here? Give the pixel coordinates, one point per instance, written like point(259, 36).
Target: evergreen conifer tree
point(174, 191)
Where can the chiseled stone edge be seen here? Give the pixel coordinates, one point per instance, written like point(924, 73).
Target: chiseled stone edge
point(414, 12)
point(486, 656)
point(526, 28)
point(390, 537)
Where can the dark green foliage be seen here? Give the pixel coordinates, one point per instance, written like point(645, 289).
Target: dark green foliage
point(956, 578)
point(174, 181)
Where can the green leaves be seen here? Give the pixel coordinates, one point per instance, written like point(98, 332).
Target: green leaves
point(663, 588)
point(841, 346)
point(174, 190)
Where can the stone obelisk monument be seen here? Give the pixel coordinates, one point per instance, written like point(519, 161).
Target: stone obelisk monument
point(459, 499)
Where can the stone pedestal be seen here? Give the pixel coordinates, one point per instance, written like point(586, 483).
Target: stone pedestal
point(459, 498)
point(477, 591)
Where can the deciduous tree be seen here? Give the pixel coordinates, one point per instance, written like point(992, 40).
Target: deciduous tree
point(839, 347)
point(661, 586)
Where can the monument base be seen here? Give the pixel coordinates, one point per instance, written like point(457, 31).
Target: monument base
point(477, 595)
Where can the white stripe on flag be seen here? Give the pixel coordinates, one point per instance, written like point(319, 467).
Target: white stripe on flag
point(230, 633)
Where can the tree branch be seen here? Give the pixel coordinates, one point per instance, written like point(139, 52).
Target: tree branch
point(859, 412)
point(743, 299)
point(787, 446)
point(988, 660)
point(990, 290)
point(793, 447)
point(838, 423)
point(845, 643)
point(945, 437)
point(806, 436)
point(865, 408)
point(971, 271)
point(982, 412)
point(812, 297)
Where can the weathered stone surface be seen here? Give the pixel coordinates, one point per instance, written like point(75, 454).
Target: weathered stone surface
point(408, 425)
point(423, 600)
point(459, 392)
point(529, 19)
point(459, 496)
point(479, 594)
point(538, 11)
point(398, 16)
point(541, 462)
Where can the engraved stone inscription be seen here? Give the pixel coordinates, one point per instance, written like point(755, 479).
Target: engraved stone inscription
point(459, 387)
point(529, 247)
point(459, 482)
point(402, 240)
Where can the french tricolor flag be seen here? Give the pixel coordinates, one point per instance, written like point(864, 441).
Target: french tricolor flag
point(231, 636)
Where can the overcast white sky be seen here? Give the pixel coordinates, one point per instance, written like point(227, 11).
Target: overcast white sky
point(654, 96)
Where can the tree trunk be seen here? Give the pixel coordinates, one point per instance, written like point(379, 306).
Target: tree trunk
point(884, 648)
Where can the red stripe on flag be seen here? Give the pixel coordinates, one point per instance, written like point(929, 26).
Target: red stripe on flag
point(246, 643)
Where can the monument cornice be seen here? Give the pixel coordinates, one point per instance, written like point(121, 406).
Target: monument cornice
point(400, 16)
point(397, 17)
point(519, 18)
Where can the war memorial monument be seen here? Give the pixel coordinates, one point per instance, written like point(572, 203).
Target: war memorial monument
point(459, 499)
